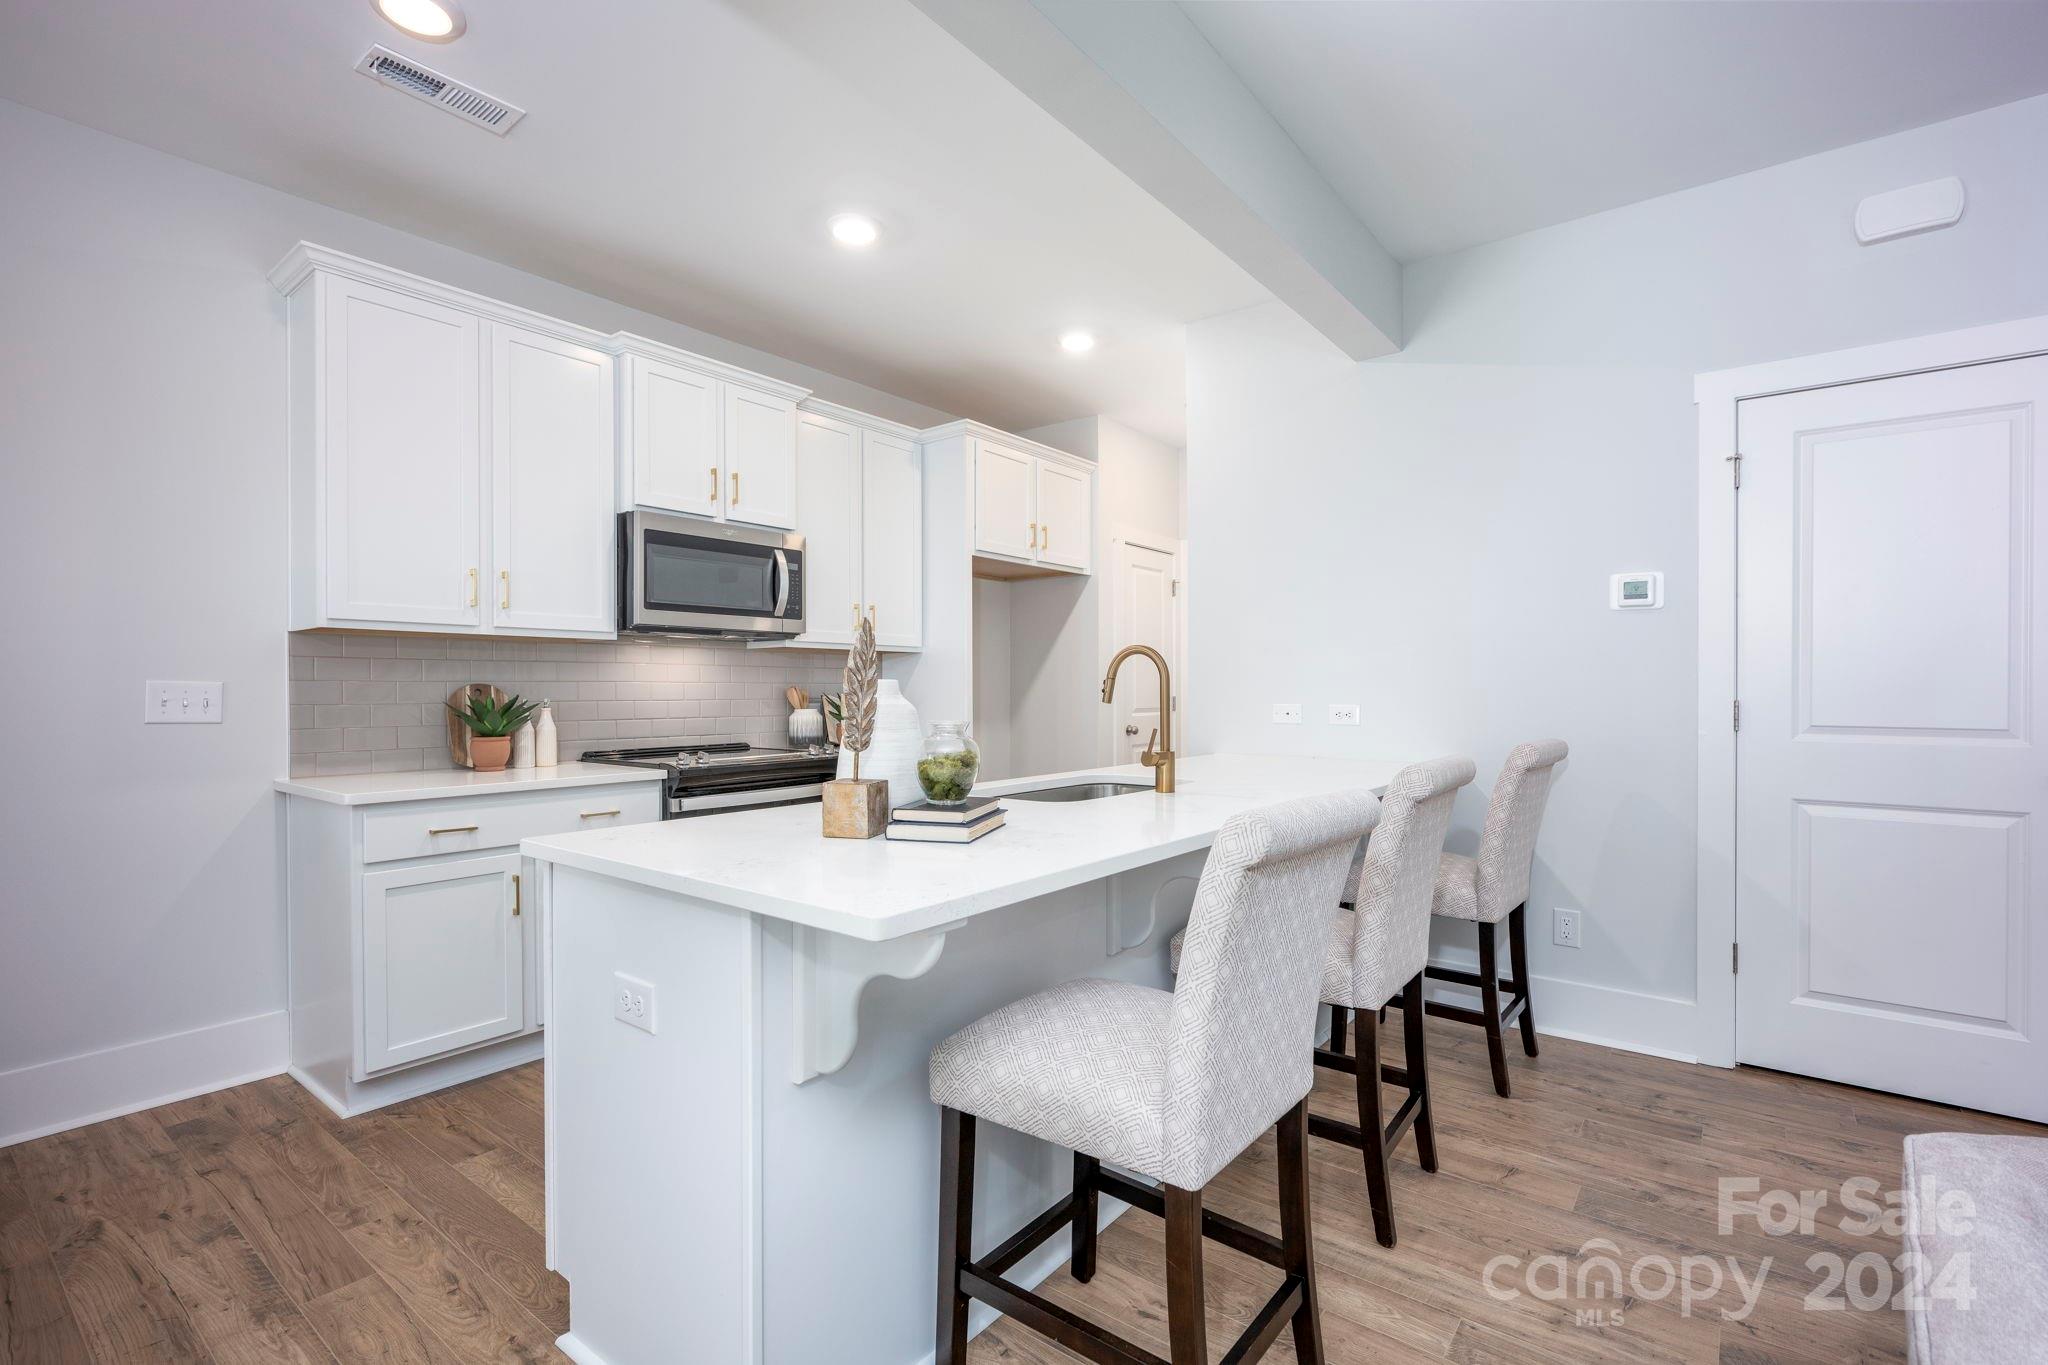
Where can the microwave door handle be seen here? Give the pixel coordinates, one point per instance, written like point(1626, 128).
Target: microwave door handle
point(781, 583)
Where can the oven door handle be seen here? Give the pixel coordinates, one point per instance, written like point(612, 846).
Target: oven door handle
point(781, 583)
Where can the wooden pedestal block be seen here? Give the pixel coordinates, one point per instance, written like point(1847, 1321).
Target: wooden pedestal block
point(857, 809)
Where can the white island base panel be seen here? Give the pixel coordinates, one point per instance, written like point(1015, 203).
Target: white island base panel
point(705, 1208)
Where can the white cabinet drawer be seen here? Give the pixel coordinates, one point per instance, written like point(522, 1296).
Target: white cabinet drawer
point(420, 829)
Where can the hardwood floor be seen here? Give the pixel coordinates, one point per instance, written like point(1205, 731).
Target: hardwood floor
point(252, 1225)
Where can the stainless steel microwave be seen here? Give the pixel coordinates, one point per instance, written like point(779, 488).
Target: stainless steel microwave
point(681, 576)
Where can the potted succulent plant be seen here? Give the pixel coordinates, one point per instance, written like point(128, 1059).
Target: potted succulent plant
point(491, 724)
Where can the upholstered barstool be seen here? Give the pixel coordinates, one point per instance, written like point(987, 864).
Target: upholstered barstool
point(1377, 942)
point(1493, 887)
point(1168, 1085)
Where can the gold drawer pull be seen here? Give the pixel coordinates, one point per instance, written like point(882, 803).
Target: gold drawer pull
point(455, 829)
point(596, 814)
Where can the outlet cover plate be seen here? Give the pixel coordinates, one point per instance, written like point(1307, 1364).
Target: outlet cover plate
point(1564, 927)
point(1287, 713)
point(181, 703)
point(1344, 713)
point(633, 1002)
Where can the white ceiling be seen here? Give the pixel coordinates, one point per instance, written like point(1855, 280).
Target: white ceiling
point(1444, 125)
point(682, 156)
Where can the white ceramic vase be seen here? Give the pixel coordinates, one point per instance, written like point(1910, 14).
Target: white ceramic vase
point(892, 753)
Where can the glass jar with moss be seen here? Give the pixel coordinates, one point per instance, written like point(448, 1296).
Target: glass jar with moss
point(949, 764)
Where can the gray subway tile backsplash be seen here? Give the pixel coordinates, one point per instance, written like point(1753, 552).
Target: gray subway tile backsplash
point(373, 703)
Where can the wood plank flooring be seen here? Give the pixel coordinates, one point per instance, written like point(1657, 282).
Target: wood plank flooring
point(252, 1225)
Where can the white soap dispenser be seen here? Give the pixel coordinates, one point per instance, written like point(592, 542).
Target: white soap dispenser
point(547, 748)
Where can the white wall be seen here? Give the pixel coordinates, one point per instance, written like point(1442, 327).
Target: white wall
point(1430, 534)
point(142, 534)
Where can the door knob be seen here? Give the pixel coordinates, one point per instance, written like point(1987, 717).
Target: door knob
point(1131, 730)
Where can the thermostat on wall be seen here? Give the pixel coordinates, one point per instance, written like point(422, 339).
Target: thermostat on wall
point(1632, 590)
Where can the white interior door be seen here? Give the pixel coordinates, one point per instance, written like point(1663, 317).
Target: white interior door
point(1144, 615)
point(443, 958)
point(551, 484)
point(1890, 792)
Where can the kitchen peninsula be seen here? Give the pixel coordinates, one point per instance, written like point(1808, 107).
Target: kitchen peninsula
point(742, 1154)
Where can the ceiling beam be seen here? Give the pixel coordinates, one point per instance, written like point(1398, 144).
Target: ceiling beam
point(1141, 85)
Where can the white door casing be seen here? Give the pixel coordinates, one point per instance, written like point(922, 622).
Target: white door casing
point(551, 485)
point(892, 538)
point(1891, 899)
point(401, 521)
point(1144, 613)
point(443, 952)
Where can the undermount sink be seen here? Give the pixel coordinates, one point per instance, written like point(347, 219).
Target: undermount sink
point(1080, 791)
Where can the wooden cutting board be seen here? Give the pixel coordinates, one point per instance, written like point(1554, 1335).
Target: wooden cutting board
point(459, 733)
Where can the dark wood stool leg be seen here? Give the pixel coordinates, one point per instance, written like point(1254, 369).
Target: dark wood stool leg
point(956, 1231)
point(1489, 1005)
point(1518, 958)
point(1085, 1170)
point(1187, 1326)
point(1412, 1010)
point(1295, 1234)
point(1372, 1126)
point(1337, 1014)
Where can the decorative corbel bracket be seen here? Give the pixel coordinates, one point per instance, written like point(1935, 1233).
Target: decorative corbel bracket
point(829, 973)
point(1174, 892)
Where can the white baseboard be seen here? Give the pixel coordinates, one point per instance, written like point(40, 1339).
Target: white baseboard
point(71, 1092)
point(1655, 1025)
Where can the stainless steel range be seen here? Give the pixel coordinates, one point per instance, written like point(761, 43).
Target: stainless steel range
point(707, 777)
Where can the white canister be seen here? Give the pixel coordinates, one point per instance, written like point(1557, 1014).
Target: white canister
point(522, 747)
point(547, 745)
point(807, 726)
point(893, 752)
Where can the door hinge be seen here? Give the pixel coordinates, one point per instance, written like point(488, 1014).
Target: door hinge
point(1735, 463)
point(1735, 957)
point(1738, 713)
point(1176, 588)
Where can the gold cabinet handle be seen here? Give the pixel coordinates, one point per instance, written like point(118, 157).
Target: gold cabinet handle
point(455, 829)
point(1034, 535)
point(735, 488)
point(515, 895)
point(472, 587)
point(505, 584)
point(597, 814)
point(874, 619)
point(1045, 537)
point(714, 483)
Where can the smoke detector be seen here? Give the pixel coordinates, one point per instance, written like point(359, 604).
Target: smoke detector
point(380, 63)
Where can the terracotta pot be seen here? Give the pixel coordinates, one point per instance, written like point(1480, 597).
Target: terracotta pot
point(489, 753)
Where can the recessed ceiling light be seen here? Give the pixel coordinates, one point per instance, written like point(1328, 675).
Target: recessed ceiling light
point(855, 229)
point(1077, 342)
point(437, 21)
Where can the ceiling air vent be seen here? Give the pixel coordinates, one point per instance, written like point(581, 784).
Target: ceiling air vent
point(421, 82)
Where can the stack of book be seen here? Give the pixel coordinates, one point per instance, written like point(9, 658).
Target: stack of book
point(922, 822)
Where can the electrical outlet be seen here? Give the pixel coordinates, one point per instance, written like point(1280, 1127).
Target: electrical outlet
point(181, 703)
point(1564, 927)
point(1344, 713)
point(633, 1001)
point(1287, 713)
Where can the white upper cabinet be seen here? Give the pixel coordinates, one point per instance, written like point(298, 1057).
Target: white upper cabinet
point(669, 445)
point(828, 506)
point(1005, 518)
point(892, 538)
point(760, 457)
point(551, 485)
point(1066, 523)
point(385, 487)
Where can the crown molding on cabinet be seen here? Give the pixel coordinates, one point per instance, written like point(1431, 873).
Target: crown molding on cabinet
point(625, 343)
point(1010, 440)
point(841, 413)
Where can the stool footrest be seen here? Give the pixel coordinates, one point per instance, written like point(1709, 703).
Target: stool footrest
point(1239, 1237)
point(1346, 1063)
point(1028, 1238)
point(1266, 1324)
point(1351, 1135)
point(1070, 1330)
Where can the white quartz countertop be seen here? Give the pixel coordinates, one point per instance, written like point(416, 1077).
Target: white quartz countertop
point(776, 862)
point(369, 789)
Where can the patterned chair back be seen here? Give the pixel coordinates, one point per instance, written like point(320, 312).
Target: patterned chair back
point(1507, 844)
point(1397, 880)
point(1239, 1051)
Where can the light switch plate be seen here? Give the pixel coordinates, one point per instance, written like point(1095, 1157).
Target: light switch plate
point(1287, 713)
point(1343, 713)
point(633, 1002)
point(181, 703)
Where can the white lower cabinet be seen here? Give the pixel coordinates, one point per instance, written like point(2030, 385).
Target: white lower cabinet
point(444, 958)
point(413, 937)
